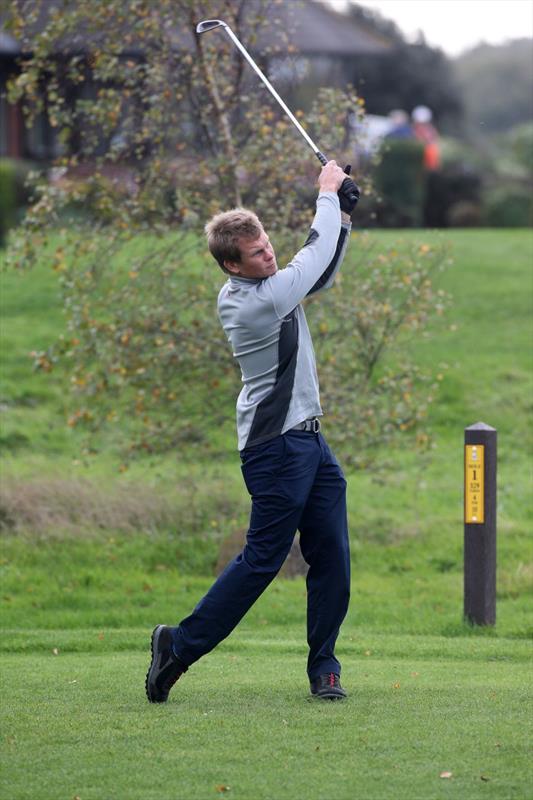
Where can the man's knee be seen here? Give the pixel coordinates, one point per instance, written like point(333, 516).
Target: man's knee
point(267, 560)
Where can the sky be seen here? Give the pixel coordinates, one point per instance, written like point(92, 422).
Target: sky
point(456, 25)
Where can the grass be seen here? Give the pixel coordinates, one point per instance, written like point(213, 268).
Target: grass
point(481, 344)
point(116, 581)
point(93, 559)
point(241, 725)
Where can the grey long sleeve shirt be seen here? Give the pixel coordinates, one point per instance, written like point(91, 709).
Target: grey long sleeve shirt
point(268, 331)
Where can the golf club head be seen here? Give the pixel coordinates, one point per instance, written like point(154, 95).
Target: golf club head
point(209, 24)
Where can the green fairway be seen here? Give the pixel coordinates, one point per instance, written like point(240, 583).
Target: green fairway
point(242, 724)
point(92, 558)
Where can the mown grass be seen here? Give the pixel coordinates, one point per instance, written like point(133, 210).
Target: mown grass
point(242, 725)
point(428, 692)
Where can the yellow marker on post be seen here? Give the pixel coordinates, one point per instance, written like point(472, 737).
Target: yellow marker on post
point(474, 483)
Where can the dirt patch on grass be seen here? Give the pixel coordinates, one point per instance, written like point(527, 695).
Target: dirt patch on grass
point(232, 545)
point(75, 505)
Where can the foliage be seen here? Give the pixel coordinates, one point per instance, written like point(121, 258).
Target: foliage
point(484, 182)
point(510, 206)
point(144, 341)
point(134, 332)
point(400, 179)
point(146, 98)
point(521, 145)
point(496, 84)
point(407, 76)
point(454, 196)
point(14, 192)
point(371, 394)
point(157, 136)
point(8, 197)
point(507, 197)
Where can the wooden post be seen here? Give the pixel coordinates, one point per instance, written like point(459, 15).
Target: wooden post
point(480, 525)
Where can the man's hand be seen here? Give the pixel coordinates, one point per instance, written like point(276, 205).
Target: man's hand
point(348, 194)
point(331, 177)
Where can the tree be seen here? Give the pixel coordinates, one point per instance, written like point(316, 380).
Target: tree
point(373, 391)
point(159, 133)
point(496, 84)
point(407, 76)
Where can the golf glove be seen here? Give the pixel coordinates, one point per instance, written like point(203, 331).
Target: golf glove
point(348, 193)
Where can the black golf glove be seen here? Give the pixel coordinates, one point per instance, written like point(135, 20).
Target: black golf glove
point(348, 193)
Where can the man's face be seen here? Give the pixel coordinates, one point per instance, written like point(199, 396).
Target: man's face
point(258, 259)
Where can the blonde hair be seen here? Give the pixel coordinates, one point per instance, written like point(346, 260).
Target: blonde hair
point(224, 230)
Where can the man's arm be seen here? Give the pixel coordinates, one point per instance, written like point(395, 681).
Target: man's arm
point(327, 278)
point(291, 285)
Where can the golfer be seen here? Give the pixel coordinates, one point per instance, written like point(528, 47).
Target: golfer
point(293, 478)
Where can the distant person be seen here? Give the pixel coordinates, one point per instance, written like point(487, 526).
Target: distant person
point(425, 132)
point(400, 125)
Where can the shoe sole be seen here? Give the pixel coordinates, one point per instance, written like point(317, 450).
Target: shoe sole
point(328, 696)
point(155, 638)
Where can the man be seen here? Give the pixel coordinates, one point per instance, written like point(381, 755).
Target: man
point(293, 479)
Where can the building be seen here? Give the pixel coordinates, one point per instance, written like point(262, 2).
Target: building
point(316, 43)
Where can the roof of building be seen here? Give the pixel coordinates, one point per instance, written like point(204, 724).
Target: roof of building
point(317, 29)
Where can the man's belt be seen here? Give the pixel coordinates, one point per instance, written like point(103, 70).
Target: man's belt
point(309, 425)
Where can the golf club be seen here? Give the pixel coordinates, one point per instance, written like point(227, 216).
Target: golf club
point(209, 25)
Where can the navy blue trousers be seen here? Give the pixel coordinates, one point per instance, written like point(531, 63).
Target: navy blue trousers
point(295, 484)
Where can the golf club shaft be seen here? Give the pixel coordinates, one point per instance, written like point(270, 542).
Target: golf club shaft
point(321, 157)
point(348, 188)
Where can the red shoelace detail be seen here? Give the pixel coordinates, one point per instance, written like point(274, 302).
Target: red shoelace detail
point(332, 679)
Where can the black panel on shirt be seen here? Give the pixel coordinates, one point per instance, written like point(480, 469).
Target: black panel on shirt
point(271, 412)
point(331, 266)
point(313, 235)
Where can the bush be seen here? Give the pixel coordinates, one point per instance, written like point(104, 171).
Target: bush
point(510, 207)
point(400, 181)
point(454, 193)
point(370, 387)
point(138, 295)
point(522, 145)
point(8, 198)
point(453, 198)
point(465, 214)
point(484, 185)
point(14, 194)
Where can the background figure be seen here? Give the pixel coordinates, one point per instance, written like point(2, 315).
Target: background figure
point(400, 125)
point(425, 131)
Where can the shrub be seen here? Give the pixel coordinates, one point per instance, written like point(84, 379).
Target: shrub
point(400, 180)
point(510, 206)
point(454, 198)
point(370, 387)
point(150, 367)
point(143, 345)
point(8, 197)
point(465, 214)
point(521, 146)
point(14, 193)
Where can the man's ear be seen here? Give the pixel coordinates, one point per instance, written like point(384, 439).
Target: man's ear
point(232, 266)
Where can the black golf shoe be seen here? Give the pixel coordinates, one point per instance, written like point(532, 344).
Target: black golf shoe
point(165, 668)
point(328, 687)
